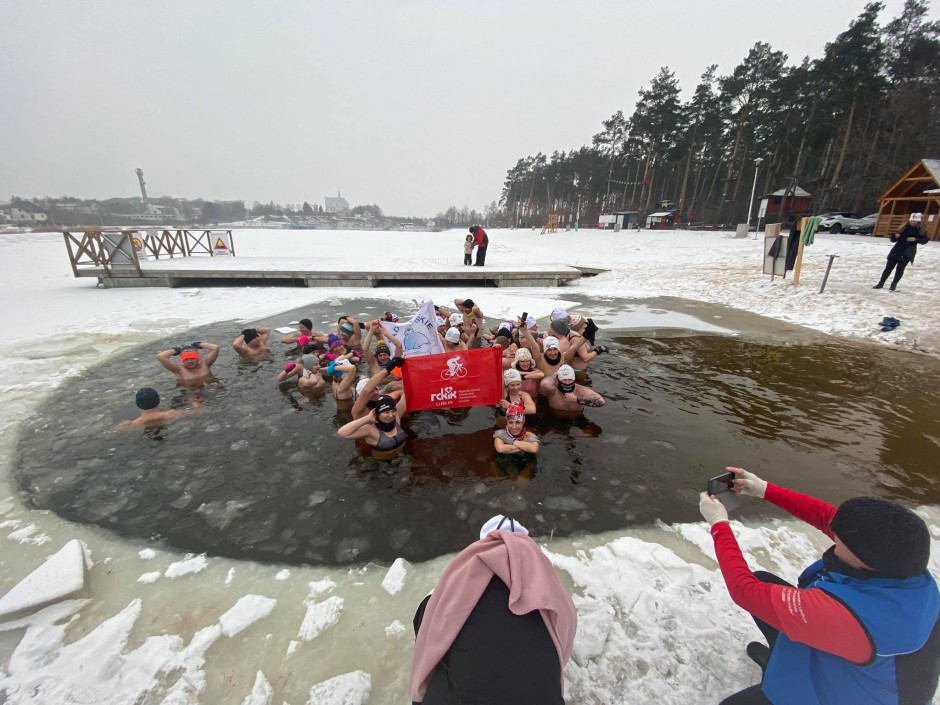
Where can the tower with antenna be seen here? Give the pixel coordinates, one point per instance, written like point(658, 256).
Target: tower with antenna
point(143, 191)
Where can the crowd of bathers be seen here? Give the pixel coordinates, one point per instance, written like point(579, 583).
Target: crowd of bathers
point(357, 363)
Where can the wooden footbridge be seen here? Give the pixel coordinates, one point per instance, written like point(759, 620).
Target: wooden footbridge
point(180, 258)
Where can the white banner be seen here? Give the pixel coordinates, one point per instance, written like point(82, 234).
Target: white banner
point(419, 335)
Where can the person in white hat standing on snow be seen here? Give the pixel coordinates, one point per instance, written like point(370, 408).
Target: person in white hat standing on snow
point(905, 247)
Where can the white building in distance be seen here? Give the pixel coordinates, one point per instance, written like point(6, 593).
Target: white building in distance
point(335, 204)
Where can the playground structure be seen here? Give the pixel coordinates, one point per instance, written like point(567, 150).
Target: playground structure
point(552, 225)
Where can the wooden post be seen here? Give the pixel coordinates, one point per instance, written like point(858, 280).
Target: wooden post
point(799, 254)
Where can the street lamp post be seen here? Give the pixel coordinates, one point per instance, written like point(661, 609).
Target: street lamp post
point(750, 203)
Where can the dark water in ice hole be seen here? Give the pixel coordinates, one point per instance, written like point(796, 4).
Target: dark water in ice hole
point(261, 474)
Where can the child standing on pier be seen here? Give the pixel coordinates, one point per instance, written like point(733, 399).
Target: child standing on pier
point(468, 250)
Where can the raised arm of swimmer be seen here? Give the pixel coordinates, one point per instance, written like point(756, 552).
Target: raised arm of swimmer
point(577, 342)
point(360, 428)
point(212, 352)
point(165, 358)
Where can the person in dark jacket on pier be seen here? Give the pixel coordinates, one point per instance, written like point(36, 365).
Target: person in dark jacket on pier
point(860, 627)
point(905, 247)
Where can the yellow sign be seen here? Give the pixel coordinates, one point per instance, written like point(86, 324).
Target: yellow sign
point(219, 245)
point(138, 245)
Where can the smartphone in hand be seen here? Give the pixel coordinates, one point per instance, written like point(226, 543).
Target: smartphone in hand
point(721, 483)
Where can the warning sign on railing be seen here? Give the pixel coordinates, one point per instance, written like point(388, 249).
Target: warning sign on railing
point(221, 243)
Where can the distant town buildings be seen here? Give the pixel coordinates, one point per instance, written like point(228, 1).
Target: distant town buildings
point(24, 212)
point(165, 211)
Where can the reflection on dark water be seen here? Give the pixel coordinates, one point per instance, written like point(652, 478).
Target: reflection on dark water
point(259, 471)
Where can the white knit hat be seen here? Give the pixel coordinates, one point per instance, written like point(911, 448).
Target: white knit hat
point(502, 523)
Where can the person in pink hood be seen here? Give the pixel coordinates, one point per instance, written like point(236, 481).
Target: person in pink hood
point(498, 628)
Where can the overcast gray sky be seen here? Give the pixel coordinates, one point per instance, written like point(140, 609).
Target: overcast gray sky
point(414, 105)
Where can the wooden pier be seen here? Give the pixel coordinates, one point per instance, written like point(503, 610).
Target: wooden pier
point(184, 258)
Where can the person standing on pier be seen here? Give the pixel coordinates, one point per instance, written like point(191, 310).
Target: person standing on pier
point(481, 240)
point(468, 251)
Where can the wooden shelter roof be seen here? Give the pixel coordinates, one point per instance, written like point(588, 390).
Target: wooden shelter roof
point(923, 176)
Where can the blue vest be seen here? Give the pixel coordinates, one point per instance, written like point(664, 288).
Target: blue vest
point(898, 615)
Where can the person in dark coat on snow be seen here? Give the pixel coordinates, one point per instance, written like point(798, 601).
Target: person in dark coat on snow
point(481, 240)
point(905, 247)
point(860, 627)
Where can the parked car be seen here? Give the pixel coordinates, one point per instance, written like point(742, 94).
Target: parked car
point(864, 225)
point(837, 221)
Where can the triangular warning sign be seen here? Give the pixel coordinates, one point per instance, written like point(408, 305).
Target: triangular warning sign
point(219, 245)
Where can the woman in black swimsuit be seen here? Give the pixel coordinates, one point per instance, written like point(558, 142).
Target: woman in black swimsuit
point(381, 428)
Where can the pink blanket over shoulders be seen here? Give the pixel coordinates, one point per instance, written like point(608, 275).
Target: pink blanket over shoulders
point(533, 585)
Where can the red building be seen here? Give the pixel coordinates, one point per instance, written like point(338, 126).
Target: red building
point(798, 204)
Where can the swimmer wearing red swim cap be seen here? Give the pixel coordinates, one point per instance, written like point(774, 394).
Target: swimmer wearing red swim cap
point(193, 367)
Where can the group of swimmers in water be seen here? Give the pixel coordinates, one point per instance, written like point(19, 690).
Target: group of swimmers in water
point(551, 365)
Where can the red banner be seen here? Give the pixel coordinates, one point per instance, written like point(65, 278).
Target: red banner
point(462, 378)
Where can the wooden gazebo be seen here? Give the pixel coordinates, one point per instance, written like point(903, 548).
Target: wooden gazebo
point(917, 191)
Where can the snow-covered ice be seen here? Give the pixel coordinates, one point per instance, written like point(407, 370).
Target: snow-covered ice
point(248, 610)
point(261, 692)
point(394, 579)
point(321, 616)
point(395, 629)
point(61, 576)
point(347, 689)
point(656, 624)
point(190, 564)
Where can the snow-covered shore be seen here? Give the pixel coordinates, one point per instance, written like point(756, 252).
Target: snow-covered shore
point(151, 625)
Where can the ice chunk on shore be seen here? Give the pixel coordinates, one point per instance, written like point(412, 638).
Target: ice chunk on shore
point(147, 554)
point(191, 564)
point(261, 691)
point(348, 689)
point(318, 586)
point(395, 629)
point(248, 610)
point(29, 534)
point(394, 579)
point(61, 576)
point(151, 577)
point(321, 616)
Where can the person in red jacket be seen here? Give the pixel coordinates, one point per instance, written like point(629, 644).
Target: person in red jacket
point(862, 624)
point(481, 240)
